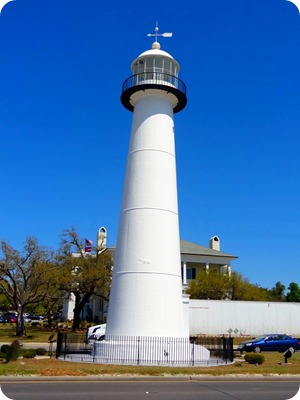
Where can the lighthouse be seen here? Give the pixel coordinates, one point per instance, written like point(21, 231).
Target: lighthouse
point(146, 295)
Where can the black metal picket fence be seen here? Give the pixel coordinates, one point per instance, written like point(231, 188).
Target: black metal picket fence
point(140, 350)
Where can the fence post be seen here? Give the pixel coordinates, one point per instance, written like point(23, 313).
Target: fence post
point(138, 354)
point(65, 337)
point(228, 348)
point(58, 344)
point(193, 339)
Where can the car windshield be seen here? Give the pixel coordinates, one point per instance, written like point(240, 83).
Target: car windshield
point(259, 338)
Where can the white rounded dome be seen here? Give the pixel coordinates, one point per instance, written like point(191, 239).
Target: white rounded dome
point(155, 52)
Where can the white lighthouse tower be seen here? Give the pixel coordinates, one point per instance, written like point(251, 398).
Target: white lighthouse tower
point(146, 297)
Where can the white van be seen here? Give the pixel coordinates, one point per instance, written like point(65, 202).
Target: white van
point(96, 332)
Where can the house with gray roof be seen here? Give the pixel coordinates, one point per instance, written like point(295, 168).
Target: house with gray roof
point(195, 258)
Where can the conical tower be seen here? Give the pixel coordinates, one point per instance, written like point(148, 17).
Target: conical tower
point(146, 295)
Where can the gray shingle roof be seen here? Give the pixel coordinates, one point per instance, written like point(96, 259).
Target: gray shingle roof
point(193, 248)
point(196, 249)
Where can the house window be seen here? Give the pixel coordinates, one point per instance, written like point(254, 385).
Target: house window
point(190, 273)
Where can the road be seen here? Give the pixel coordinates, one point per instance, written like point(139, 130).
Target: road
point(151, 390)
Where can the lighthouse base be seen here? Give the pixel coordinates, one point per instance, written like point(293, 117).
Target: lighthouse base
point(141, 350)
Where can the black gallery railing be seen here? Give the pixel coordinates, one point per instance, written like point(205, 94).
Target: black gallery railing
point(156, 78)
point(140, 350)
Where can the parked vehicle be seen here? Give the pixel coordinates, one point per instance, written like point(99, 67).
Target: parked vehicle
point(272, 342)
point(33, 317)
point(96, 332)
point(2, 320)
point(10, 317)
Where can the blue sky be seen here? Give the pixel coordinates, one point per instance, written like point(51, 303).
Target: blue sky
point(64, 133)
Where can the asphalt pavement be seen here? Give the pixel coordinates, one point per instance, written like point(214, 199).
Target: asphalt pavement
point(152, 390)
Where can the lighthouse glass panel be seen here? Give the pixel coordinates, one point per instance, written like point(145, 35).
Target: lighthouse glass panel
point(167, 66)
point(138, 71)
point(158, 64)
point(155, 69)
point(141, 66)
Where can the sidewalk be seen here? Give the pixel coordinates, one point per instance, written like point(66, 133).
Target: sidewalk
point(34, 345)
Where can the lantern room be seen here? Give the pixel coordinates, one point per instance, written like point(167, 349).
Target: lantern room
point(154, 69)
point(155, 61)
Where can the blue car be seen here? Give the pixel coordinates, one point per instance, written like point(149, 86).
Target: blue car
point(272, 342)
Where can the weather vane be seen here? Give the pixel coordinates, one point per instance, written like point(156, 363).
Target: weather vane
point(156, 34)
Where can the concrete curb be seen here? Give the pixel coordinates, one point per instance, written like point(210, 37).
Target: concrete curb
point(179, 378)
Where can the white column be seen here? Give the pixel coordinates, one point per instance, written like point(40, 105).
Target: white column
point(68, 307)
point(184, 273)
point(229, 270)
point(224, 269)
point(207, 268)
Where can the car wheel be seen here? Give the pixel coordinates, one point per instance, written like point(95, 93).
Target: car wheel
point(257, 349)
point(101, 338)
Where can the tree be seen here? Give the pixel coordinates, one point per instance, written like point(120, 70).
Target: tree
point(4, 303)
point(27, 277)
point(254, 292)
point(236, 286)
point(293, 294)
point(217, 286)
point(83, 274)
point(277, 292)
point(211, 285)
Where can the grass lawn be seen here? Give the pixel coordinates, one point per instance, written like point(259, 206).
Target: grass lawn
point(39, 334)
point(53, 367)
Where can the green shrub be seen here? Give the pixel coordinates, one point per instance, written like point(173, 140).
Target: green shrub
point(29, 353)
point(40, 351)
point(4, 348)
point(11, 352)
point(253, 358)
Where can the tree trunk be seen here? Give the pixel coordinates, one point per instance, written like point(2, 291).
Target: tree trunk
point(20, 326)
point(76, 317)
point(49, 318)
point(79, 304)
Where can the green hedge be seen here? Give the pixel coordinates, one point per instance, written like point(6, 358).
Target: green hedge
point(14, 351)
point(41, 351)
point(254, 358)
point(29, 353)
